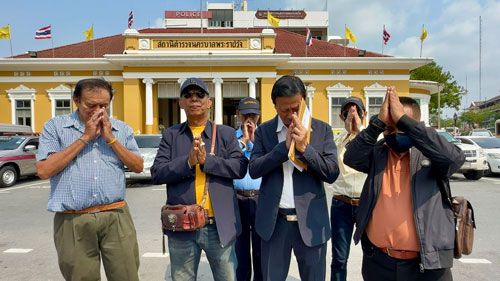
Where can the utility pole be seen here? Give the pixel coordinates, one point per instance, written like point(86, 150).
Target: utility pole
point(480, 47)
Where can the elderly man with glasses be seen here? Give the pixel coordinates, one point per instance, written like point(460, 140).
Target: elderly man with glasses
point(185, 165)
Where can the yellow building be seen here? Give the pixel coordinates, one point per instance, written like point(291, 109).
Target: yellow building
point(146, 68)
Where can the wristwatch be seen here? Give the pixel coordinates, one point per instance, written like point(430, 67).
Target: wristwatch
point(374, 121)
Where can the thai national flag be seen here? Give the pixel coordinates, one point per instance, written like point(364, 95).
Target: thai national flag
point(130, 19)
point(309, 38)
point(43, 33)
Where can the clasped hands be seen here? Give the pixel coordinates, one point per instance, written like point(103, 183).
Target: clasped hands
point(298, 134)
point(392, 110)
point(197, 154)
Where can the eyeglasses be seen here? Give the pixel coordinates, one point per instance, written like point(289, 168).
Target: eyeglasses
point(199, 94)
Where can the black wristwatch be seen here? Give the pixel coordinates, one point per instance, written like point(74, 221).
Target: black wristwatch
point(374, 121)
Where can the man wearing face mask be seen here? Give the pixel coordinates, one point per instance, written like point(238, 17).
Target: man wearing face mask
point(346, 190)
point(406, 228)
point(247, 191)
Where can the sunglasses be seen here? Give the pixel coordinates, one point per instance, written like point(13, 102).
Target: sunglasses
point(188, 95)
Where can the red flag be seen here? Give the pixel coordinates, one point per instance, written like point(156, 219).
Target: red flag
point(385, 36)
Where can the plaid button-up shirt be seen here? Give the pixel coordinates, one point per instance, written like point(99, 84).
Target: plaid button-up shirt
point(95, 176)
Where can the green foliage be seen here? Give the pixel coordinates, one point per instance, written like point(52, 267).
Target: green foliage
point(451, 93)
point(480, 118)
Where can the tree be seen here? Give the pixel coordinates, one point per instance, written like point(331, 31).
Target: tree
point(451, 92)
point(476, 118)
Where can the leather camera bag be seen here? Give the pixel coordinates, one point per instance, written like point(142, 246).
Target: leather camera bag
point(188, 217)
point(464, 222)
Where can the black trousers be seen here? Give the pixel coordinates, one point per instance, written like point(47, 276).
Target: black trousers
point(378, 266)
point(246, 240)
point(276, 254)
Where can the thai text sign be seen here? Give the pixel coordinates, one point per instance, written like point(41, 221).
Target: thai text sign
point(200, 44)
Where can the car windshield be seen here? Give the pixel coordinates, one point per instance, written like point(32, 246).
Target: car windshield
point(487, 142)
point(10, 143)
point(448, 136)
point(481, 133)
point(148, 141)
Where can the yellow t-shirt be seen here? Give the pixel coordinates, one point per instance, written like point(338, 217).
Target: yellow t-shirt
point(200, 178)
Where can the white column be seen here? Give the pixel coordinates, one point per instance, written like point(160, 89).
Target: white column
point(218, 100)
point(424, 108)
point(252, 81)
point(183, 113)
point(149, 100)
point(310, 96)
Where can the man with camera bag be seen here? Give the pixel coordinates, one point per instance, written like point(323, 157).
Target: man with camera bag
point(194, 176)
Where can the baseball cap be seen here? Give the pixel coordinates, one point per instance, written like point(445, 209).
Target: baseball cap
point(194, 82)
point(357, 101)
point(249, 106)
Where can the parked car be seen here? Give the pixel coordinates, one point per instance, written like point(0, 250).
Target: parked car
point(481, 133)
point(17, 158)
point(15, 130)
point(148, 146)
point(491, 147)
point(475, 164)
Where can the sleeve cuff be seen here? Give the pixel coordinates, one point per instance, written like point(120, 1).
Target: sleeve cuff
point(406, 123)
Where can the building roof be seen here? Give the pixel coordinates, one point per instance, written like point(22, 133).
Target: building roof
point(287, 42)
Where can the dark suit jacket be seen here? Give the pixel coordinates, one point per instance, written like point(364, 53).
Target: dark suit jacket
point(310, 201)
point(171, 167)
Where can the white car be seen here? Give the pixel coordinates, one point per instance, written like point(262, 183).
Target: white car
point(490, 146)
point(475, 165)
point(148, 146)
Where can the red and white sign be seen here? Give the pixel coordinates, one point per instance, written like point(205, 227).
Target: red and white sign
point(188, 14)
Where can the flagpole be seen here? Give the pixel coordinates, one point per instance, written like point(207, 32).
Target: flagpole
point(421, 41)
point(383, 44)
point(93, 41)
point(345, 39)
point(52, 40)
point(10, 42)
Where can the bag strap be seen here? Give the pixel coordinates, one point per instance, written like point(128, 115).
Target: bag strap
point(212, 152)
point(446, 192)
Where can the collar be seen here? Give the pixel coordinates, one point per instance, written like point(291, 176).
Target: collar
point(280, 126)
point(207, 131)
point(73, 120)
point(239, 133)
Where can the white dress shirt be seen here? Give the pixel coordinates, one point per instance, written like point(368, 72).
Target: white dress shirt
point(286, 200)
point(350, 182)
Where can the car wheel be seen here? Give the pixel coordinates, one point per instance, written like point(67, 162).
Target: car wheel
point(8, 176)
point(473, 175)
point(488, 172)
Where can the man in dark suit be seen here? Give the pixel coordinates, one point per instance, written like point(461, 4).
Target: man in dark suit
point(292, 212)
point(184, 164)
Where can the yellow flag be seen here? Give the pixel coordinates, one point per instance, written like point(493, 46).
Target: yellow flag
point(272, 20)
point(5, 32)
point(349, 35)
point(424, 34)
point(89, 33)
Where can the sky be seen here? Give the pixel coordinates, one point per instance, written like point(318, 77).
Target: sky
point(452, 25)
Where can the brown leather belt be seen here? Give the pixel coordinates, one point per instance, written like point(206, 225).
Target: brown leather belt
point(98, 208)
point(247, 193)
point(399, 254)
point(347, 200)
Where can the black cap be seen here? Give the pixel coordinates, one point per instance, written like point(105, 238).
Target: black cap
point(355, 100)
point(249, 106)
point(194, 82)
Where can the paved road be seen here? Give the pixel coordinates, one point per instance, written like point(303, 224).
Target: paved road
point(27, 251)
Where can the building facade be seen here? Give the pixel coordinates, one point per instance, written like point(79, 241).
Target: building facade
point(146, 68)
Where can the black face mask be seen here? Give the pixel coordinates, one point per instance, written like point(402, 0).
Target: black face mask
point(399, 142)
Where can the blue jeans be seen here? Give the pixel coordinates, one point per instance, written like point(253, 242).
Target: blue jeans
point(185, 256)
point(342, 219)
